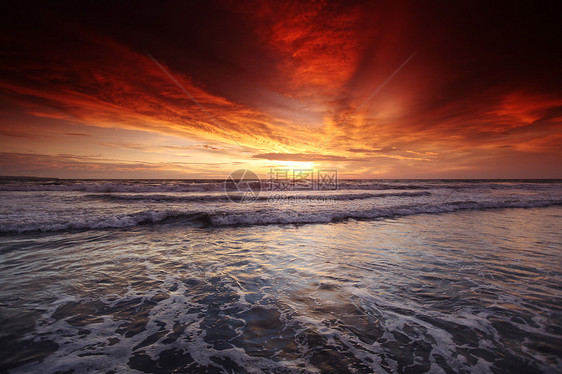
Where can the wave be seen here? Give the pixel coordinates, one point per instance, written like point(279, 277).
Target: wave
point(165, 186)
point(295, 217)
point(263, 216)
point(108, 187)
point(155, 198)
point(94, 223)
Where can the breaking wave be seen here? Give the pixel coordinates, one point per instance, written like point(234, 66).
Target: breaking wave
point(262, 216)
point(165, 186)
point(267, 197)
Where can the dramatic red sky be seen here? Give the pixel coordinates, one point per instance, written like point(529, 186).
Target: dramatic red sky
point(288, 84)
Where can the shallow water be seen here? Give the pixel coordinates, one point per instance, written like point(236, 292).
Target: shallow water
point(466, 291)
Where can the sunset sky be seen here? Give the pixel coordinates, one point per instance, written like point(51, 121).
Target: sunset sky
point(376, 89)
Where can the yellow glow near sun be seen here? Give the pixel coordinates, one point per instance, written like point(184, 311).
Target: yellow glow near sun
point(296, 164)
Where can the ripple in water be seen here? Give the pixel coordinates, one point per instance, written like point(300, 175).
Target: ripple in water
point(462, 292)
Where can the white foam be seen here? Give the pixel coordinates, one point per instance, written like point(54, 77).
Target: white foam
point(155, 186)
point(252, 214)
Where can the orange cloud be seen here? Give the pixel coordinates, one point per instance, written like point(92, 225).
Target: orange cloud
point(288, 81)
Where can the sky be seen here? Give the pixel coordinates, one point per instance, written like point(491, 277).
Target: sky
point(197, 89)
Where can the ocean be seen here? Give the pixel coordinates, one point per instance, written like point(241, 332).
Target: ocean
point(376, 276)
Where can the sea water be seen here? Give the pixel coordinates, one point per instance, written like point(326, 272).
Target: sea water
point(376, 276)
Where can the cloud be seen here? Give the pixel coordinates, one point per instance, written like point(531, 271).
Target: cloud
point(386, 149)
point(299, 157)
point(90, 166)
point(281, 77)
point(125, 89)
point(16, 133)
point(76, 134)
